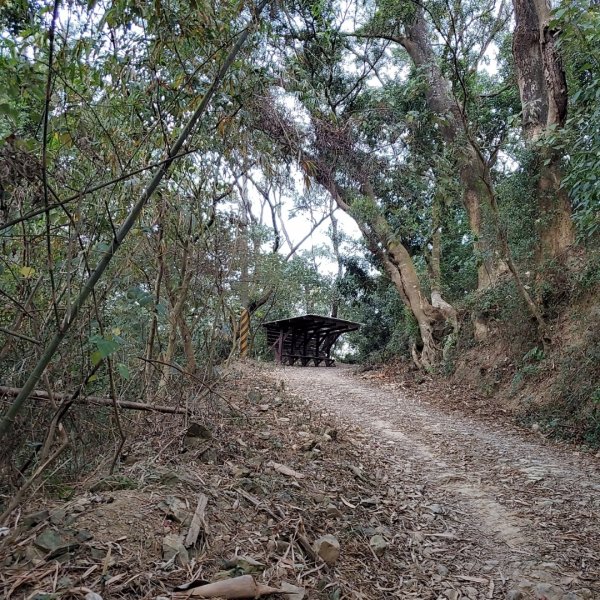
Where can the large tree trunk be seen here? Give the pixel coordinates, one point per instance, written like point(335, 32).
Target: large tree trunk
point(473, 170)
point(435, 264)
point(543, 90)
point(433, 321)
point(335, 242)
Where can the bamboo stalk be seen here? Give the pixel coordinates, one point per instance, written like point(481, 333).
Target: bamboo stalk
point(41, 395)
point(71, 316)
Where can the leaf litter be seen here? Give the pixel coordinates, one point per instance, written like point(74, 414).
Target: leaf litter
point(251, 504)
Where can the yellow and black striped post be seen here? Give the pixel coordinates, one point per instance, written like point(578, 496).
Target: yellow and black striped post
point(244, 330)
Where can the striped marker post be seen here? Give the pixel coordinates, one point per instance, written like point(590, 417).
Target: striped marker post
point(244, 330)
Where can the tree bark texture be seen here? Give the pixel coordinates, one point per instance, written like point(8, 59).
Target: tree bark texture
point(544, 97)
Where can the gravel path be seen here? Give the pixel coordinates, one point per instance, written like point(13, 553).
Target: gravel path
point(530, 508)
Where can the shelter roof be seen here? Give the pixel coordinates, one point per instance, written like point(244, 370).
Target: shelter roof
point(307, 322)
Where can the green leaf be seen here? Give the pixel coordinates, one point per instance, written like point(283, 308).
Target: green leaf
point(123, 371)
point(27, 272)
point(105, 346)
point(96, 357)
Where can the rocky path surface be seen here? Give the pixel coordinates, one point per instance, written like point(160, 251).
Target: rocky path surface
point(528, 510)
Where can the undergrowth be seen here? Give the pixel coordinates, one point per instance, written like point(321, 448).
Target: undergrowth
point(559, 386)
point(573, 411)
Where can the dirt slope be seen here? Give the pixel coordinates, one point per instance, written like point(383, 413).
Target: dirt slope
point(526, 510)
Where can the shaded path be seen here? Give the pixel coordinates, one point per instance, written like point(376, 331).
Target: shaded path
point(530, 507)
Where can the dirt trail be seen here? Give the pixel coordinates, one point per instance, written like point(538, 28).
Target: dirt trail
point(530, 508)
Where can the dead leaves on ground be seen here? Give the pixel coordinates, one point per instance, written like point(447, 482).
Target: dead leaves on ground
point(275, 483)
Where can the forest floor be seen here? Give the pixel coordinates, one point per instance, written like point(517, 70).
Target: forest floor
point(430, 495)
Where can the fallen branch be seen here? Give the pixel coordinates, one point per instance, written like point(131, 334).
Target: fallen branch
point(197, 522)
point(238, 587)
point(20, 336)
point(41, 395)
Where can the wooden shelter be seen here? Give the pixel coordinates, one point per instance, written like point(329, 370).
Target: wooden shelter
point(306, 338)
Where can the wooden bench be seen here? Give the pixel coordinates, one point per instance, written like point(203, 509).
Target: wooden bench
point(290, 359)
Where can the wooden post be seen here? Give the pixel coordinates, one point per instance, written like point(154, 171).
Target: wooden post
point(279, 350)
point(304, 359)
point(317, 344)
point(244, 330)
point(293, 352)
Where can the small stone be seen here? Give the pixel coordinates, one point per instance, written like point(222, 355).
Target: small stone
point(378, 544)
point(333, 511)
point(442, 570)
point(79, 507)
point(436, 509)
point(175, 509)
point(97, 553)
point(514, 595)
point(83, 536)
point(55, 542)
point(33, 519)
point(173, 549)
point(57, 516)
point(328, 548)
point(254, 396)
point(197, 430)
point(451, 594)
point(292, 592)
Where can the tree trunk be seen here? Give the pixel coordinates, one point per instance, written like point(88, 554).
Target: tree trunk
point(432, 321)
point(149, 354)
point(177, 300)
point(473, 171)
point(543, 91)
point(435, 267)
point(335, 242)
